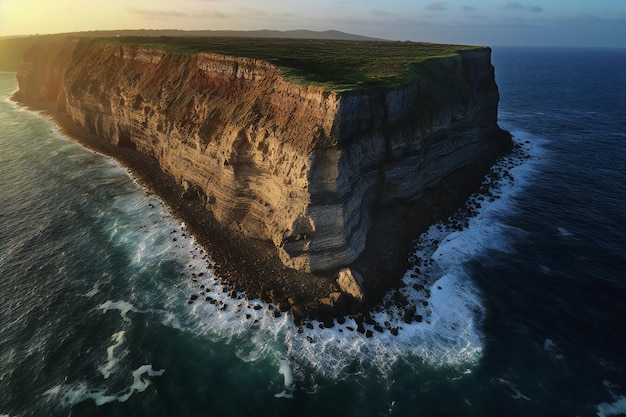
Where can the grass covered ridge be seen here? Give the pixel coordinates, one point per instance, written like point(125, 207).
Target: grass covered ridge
point(334, 65)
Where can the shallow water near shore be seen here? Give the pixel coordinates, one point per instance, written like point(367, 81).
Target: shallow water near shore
point(522, 312)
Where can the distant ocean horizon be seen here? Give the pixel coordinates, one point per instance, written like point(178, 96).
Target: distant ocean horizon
point(526, 308)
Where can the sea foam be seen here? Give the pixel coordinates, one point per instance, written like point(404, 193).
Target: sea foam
point(616, 408)
point(71, 395)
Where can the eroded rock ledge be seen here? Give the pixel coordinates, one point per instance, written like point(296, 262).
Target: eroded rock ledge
point(307, 169)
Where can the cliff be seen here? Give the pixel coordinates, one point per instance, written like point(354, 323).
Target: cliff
point(297, 164)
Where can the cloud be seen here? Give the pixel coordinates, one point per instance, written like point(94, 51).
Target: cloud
point(436, 6)
point(250, 12)
point(253, 12)
point(177, 14)
point(514, 5)
point(469, 8)
point(382, 13)
point(583, 19)
point(157, 14)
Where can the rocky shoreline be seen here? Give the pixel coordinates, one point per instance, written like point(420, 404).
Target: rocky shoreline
point(253, 267)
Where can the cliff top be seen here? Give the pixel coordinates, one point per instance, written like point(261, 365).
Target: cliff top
point(332, 64)
point(337, 65)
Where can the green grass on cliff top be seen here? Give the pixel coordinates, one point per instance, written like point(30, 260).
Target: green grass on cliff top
point(335, 65)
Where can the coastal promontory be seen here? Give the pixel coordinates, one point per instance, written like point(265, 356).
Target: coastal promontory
point(334, 154)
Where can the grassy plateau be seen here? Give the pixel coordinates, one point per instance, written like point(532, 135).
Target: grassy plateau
point(333, 64)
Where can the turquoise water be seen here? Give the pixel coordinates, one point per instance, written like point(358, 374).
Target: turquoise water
point(523, 317)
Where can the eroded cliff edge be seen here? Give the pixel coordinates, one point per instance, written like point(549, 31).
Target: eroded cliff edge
point(308, 169)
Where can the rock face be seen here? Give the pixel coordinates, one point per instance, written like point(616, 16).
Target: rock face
point(297, 165)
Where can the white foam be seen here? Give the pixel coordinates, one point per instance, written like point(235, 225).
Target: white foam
point(564, 232)
point(515, 393)
point(112, 361)
point(123, 307)
point(616, 408)
point(94, 290)
point(285, 370)
point(71, 395)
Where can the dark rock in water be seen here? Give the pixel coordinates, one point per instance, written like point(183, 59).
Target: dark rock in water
point(276, 313)
point(419, 318)
point(409, 313)
point(350, 328)
point(248, 316)
point(193, 297)
point(367, 318)
point(369, 334)
point(189, 302)
point(394, 331)
point(360, 328)
point(283, 306)
point(341, 319)
point(257, 307)
point(329, 322)
point(309, 326)
point(298, 314)
point(309, 339)
point(378, 328)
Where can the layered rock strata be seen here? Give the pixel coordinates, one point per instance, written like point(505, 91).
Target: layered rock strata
point(298, 165)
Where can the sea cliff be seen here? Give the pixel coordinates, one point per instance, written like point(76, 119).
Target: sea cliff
point(305, 167)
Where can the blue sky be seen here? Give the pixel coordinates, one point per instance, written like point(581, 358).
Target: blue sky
point(484, 22)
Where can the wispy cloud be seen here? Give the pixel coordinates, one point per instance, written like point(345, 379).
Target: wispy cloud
point(382, 13)
point(436, 6)
point(250, 12)
point(516, 5)
point(177, 14)
point(468, 8)
point(253, 12)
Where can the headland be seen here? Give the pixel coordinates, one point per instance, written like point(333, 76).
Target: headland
point(306, 169)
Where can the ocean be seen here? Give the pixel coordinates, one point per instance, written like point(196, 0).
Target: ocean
point(526, 311)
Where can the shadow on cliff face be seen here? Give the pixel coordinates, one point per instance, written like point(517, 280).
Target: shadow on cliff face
point(395, 228)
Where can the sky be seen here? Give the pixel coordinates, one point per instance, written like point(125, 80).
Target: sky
point(596, 23)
